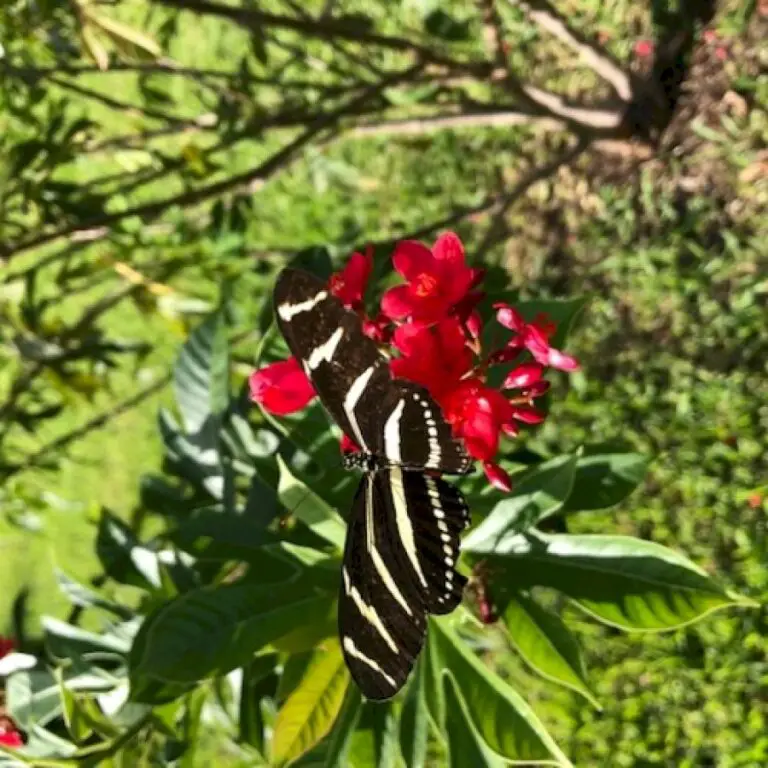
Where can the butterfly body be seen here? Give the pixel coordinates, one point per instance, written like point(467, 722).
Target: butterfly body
point(403, 539)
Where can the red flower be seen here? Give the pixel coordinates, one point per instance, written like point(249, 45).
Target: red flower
point(436, 357)
point(476, 412)
point(349, 284)
point(644, 49)
point(378, 328)
point(281, 387)
point(535, 338)
point(439, 342)
point(9, 736)
point(437, 280)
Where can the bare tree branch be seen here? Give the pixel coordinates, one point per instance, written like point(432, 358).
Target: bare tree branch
point(193, 197)
point(60, 443)
point(543, 14)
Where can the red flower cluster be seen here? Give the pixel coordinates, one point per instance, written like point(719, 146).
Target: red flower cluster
point(9, 736)
point(432, 323)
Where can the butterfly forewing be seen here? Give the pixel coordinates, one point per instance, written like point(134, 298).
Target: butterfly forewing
point(347, 370)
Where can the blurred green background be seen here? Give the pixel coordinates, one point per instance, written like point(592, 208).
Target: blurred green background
point(667, 238)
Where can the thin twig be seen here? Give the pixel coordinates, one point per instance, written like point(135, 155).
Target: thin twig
point(581, 117)
point(60, 443)
point(504, 199)
point(325, 29)
point(131, 109)
point(545, 16)
point(259, 173)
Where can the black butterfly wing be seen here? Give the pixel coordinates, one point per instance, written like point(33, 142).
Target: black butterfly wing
point(399, 566)
point(350, 375)
point(414, 433)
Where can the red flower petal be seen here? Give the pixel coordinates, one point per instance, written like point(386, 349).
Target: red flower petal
point(481, 435)
point(7, 644)
point(497, 477)
point(348, 445)
point(378, 328)
point(281, 387)
point(528, 415)
point(510, 429)
point(538, 389)
point(509, 317)
point(536, 343)
point(349, 284)
point(523, 376)
point(412, 259)
point(449, 250)
point(397, 302)
point(561, 361)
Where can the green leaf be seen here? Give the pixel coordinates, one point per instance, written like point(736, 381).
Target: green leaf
point(122, 556)
point(259, 681)
point(66, 641)
point(465, 745)
point(32, 697)
point(210, 631)
point(195, 457)
point(623, 581)
point(545, 642)
point(311, 709)
point(210, 533)
point(604, 478)
point(83, 597)
point(375, 740)
point(502, 719)
point(343, 728)
point(414, 723)
point(309, 508)
point(538, 494)
point(201, 373)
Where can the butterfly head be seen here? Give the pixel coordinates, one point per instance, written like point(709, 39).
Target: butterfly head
point(360, 460)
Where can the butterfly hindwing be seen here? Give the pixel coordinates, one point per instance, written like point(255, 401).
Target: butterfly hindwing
point(413, 432)
point(399, 566)
point(381, 618)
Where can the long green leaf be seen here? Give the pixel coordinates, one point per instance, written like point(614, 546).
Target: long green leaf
point(623, 581)
point(338, 741)
point(604, 478)
point(200, 375)
point(540, 493)
point(309, 508)
point(545, 642)
point(465, 745)
point(212, 630)
point(310, 711)
point(414, 722)
point(501, 717)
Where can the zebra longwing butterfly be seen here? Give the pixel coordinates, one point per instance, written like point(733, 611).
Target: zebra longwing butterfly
point(403, 538)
